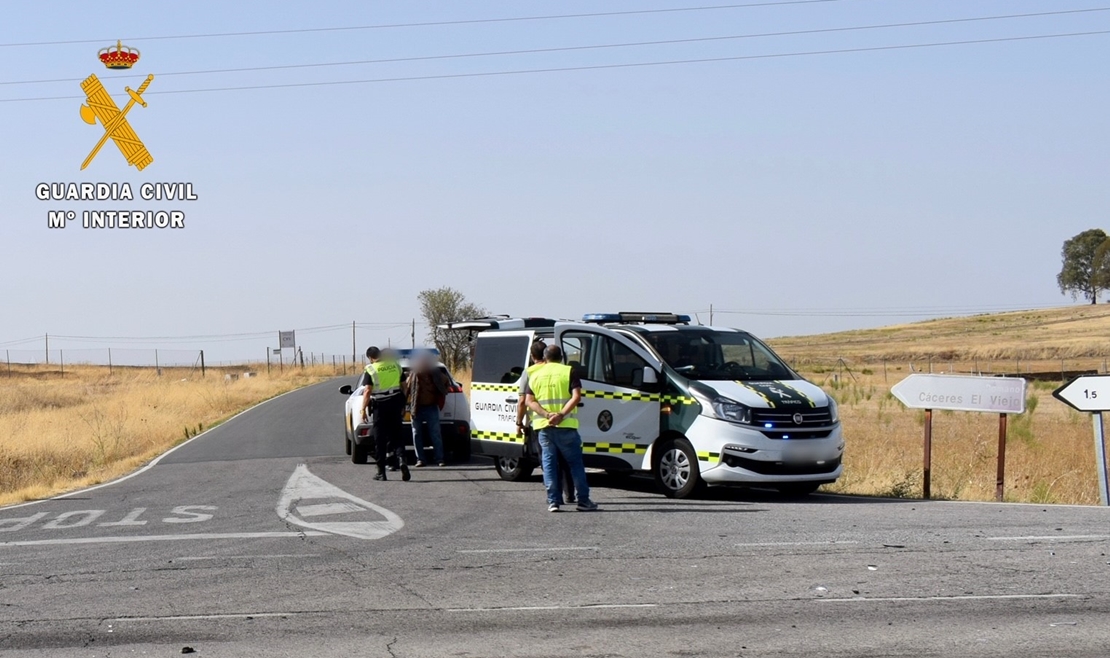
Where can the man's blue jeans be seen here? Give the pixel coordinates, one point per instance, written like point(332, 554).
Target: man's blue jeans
point(566, 442)
point(428, 415)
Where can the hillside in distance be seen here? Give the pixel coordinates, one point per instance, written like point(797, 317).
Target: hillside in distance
point(1079, 332)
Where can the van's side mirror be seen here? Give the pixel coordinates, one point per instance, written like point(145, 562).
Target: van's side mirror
point(650, 376)
point(345, 389)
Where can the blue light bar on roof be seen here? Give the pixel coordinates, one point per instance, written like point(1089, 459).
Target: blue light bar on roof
point(626, 317)
point(601, 317)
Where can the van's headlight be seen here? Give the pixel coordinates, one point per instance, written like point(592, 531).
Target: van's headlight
point(834, 412)
point(732, 411)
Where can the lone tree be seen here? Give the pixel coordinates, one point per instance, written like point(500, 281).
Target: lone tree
point(448, 305)
point(1086, 268)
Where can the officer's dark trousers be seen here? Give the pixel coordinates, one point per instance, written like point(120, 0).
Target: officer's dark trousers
point(389, 429)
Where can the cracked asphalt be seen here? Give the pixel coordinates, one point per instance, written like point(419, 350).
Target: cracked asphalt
point(192, 553)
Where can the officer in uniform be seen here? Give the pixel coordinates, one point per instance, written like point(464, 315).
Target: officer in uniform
point(384, 401)
point(553, 393)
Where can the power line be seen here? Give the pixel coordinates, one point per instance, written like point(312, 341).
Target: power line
point(593, 67)
point(532, 51)
point(472, 21)
point(876, 312)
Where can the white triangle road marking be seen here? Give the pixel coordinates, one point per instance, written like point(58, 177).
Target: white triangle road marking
point(303, 487)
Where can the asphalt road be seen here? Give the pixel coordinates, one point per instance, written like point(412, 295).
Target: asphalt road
point(260, 538)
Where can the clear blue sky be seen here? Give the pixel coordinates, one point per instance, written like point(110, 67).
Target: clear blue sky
point(934, 178)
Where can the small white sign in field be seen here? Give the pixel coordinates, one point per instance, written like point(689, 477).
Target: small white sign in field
point(1001, 395)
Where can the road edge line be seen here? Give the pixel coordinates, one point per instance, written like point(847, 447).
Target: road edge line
point(154, 462)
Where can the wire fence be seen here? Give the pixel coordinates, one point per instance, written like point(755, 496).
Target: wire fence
point(120, 359)
point(893, 370)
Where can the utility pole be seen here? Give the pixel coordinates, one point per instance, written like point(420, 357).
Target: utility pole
point(414, 333)
point(354, 348)
point(711, 315)
point(202, 363)
point(47, 349)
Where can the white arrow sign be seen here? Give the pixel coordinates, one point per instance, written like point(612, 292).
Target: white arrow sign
point(1001, 395)
point(1086, 393)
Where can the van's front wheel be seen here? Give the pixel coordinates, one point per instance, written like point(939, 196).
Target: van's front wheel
point(514, 469)
point(676, 469)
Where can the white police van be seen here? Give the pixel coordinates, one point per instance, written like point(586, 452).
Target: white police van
point(693, 405)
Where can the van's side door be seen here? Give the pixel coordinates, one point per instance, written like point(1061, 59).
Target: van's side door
point(500, 358)
point(619, 414)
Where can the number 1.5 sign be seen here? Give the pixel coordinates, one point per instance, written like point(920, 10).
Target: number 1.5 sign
point(1089, 393)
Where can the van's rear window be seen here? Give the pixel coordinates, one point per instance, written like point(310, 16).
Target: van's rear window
point(500, 359)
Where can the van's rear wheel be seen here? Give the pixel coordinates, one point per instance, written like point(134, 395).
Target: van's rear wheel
point(676, 469)
point(347, 440)
point(514, 469)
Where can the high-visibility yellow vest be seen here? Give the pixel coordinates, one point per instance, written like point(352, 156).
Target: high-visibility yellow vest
point(385, 377)
point(550, 384)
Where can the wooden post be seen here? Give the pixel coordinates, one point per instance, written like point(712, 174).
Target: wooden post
point(1001, 480)
point(157, 367)
point(47, 349)
point(926, 487)
point(8, 355)
point(202, 363)
point(267, 360)
point(109, 361)
point(62, 361)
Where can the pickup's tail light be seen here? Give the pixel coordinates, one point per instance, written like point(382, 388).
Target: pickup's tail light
point(463, 428)
point(454, 388)
point(363, 432)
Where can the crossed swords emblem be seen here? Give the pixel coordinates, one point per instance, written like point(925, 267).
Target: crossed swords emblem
point(101, 106)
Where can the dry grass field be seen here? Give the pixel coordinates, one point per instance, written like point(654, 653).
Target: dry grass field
point(1050, 450)
point(60, 433)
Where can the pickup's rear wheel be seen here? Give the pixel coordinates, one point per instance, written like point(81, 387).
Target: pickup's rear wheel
point(799, 489)
point(676, 469)
point(360, 453)
point(347, 440)
point(514, 469)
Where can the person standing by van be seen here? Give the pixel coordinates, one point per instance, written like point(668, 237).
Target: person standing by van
point(386, 391)
point(552, 394)
point(428, 387)
point(522, 424)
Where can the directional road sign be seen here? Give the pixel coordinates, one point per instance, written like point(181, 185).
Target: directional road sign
point(1000, 395)
point(1087, 393)
point(1091, 393)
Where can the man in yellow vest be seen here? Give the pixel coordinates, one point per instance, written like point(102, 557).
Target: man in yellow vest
point(522, 424)
point(384, 400)
point(553, 393)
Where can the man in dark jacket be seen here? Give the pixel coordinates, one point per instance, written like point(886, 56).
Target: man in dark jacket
point(427, 386)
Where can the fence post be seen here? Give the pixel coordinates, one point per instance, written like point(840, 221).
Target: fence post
point(202, 363)
point(109, 362)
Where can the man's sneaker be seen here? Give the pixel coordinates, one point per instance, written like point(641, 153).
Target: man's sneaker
point(586, 506)
point(380, 477)
point(571, 500)
point(419, 464)
point(405, 475)
point(553, 507)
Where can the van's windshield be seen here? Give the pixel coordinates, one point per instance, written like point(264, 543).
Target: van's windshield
point(722, 355)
